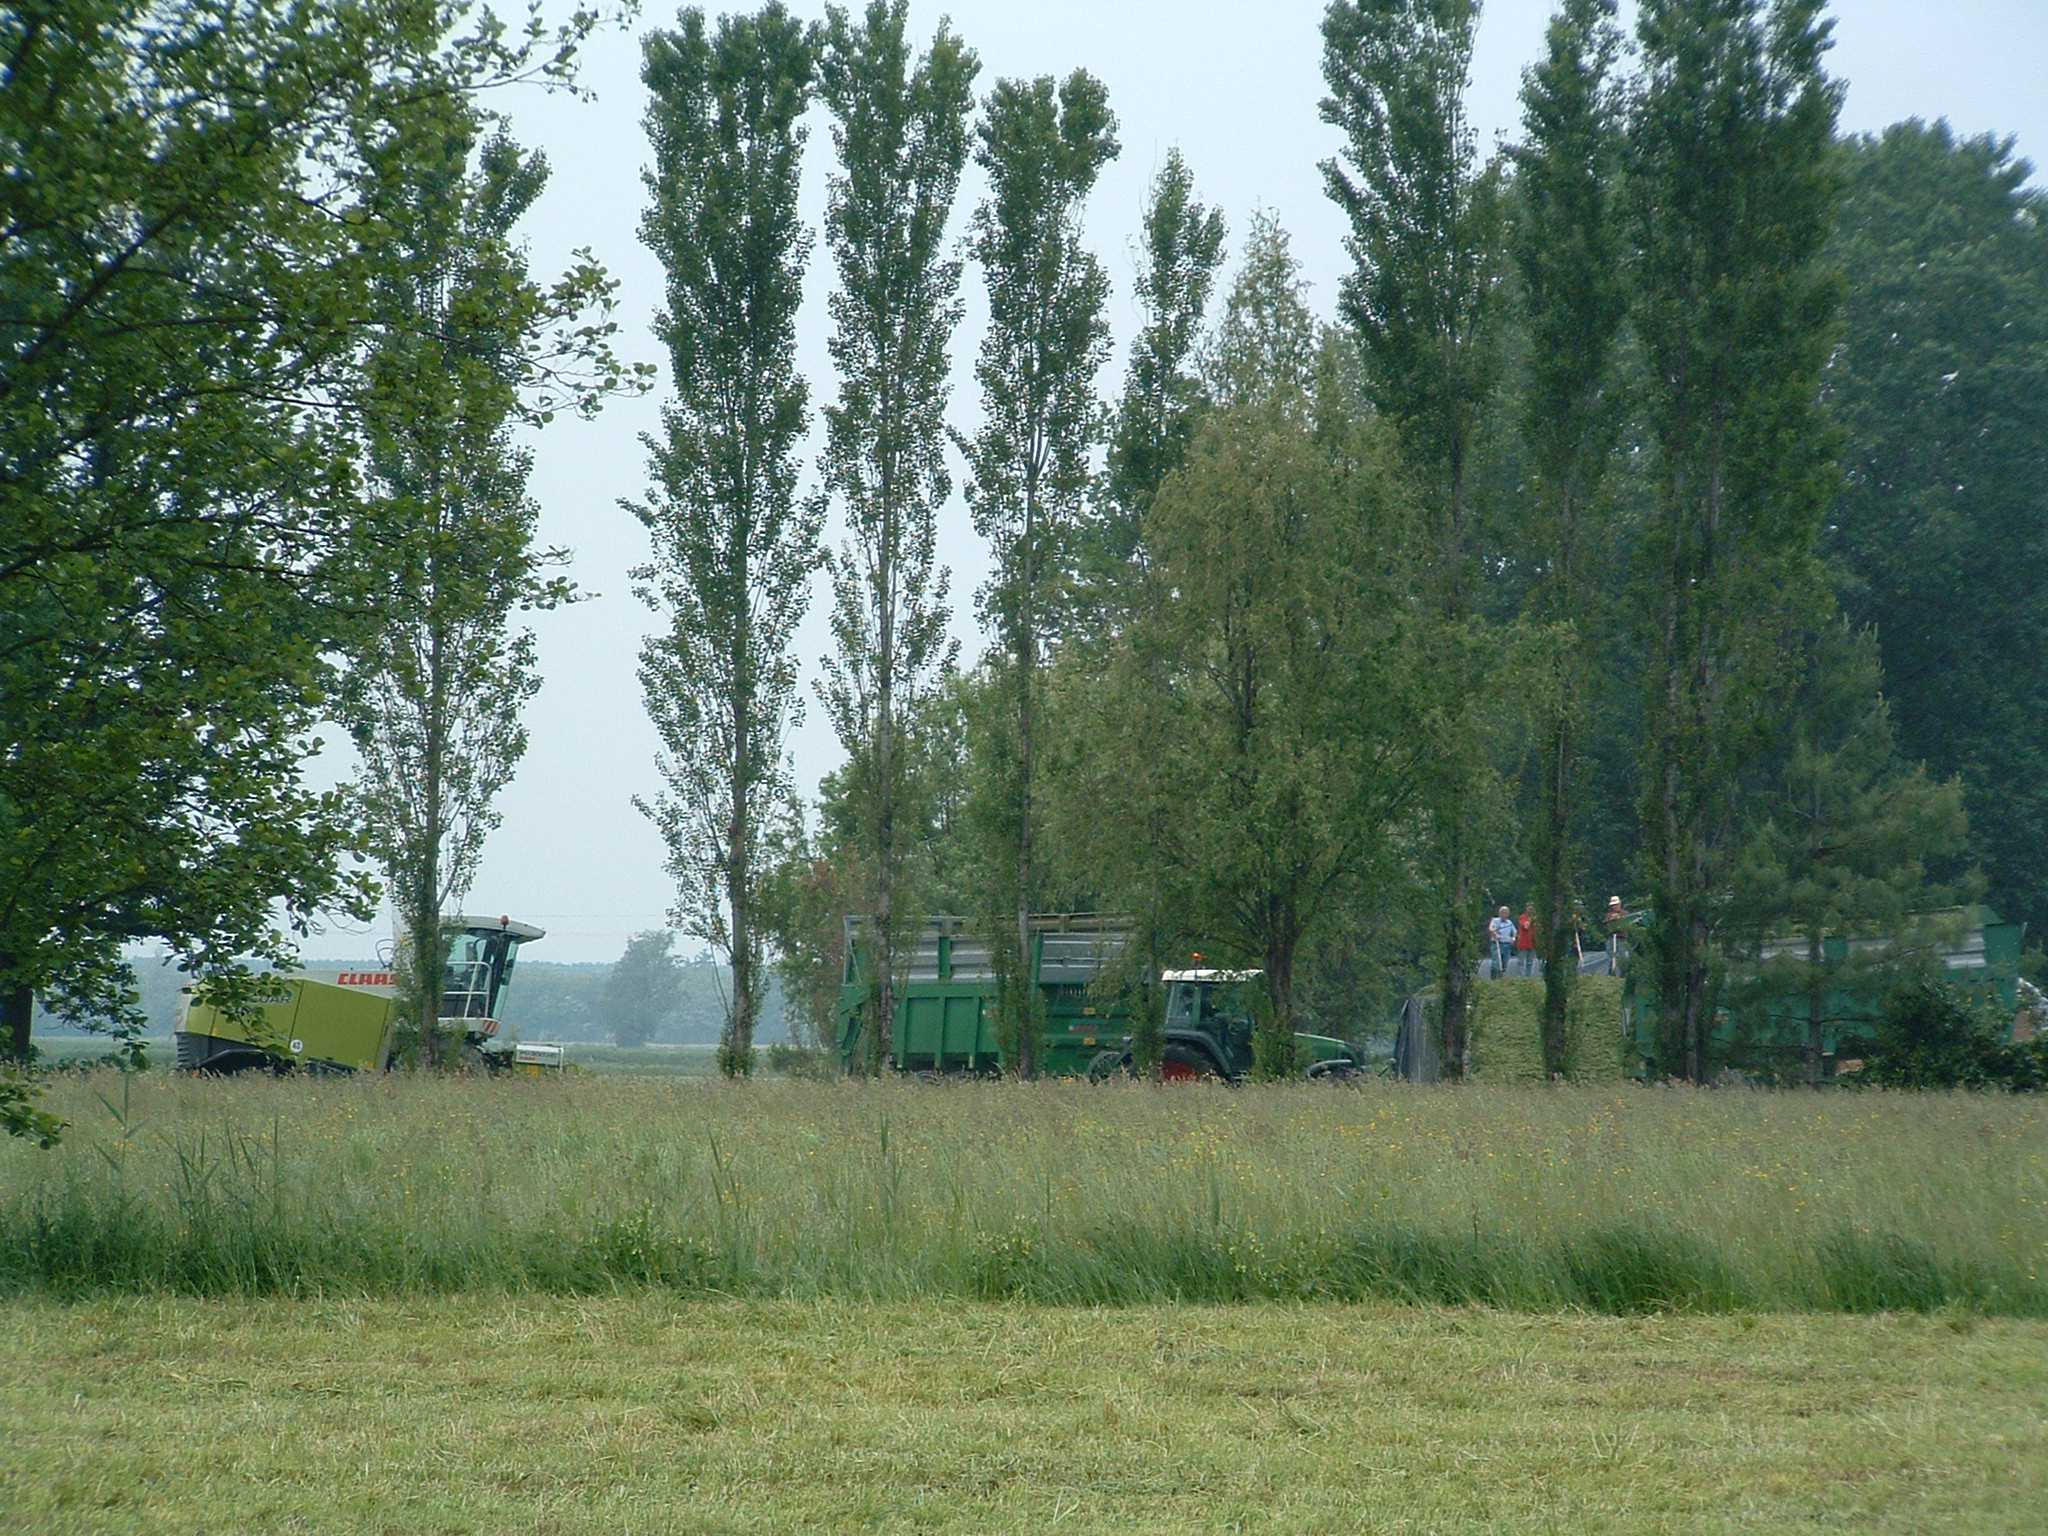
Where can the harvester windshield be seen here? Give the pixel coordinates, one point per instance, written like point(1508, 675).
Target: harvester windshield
point(481, 952)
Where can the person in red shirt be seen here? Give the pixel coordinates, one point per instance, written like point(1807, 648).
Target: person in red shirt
point(1525, 940)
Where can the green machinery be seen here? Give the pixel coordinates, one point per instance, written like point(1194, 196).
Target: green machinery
point(945, 1013)
point(347, 1020)
point(1973, 948)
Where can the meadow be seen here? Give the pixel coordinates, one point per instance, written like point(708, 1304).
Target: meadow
point(646, 1413)
point(1622, 1200)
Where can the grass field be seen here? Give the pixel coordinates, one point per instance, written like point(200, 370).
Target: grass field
point(630, 1416)
point(1620, 1201)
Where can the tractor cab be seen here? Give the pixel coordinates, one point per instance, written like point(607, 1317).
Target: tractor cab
point(1209, 1016)
point(1211, 1011)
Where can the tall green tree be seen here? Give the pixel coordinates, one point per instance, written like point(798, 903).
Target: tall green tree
point(1939, 537)
point(1282, 754)
point(436, 687)
point(184, 308)
point(734, 548)
point(1423, 298)
point(1041, 145)
point(900, 127)
point(1568, 247)
point(1838, 841)
point(644, 989)
point(1179, 251)
point(1732, 194)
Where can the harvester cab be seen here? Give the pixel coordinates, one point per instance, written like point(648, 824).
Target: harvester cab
point(481, 954)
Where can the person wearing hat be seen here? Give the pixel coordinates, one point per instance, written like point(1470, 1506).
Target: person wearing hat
point(1617, 936)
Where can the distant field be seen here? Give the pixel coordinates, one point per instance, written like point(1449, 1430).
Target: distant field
point(477, 1415)
point(1625, 1200)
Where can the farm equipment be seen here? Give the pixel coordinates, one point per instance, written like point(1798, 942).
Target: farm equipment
point(1970, 948)
point(946, 1006)
point(347, 1020)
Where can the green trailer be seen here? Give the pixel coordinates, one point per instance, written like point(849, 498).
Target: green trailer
point(1972, 948)
point(946, 1006)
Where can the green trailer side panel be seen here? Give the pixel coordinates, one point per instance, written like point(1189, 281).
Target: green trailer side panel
point(1986, 971)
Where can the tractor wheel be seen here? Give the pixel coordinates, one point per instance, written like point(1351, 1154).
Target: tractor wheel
point(1186, 1064)
point(1109, 1064)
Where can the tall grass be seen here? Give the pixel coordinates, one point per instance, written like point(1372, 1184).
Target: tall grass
point(1615, 1200)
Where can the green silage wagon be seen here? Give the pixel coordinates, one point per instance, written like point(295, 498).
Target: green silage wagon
point(946, 1008)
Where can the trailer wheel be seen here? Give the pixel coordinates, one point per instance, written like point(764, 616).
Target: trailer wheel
point(1109, 1064)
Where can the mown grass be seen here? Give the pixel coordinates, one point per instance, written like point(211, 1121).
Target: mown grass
point(476, 1415)
point(1622, 1201)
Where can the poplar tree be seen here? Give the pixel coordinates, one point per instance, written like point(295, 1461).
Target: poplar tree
point(733, 547)
point(469, 348)
point(1423, 300)
point(1567, 245)
point(900, 128)
point(1179, 252)
point(1731, 198)
point(1042, 146)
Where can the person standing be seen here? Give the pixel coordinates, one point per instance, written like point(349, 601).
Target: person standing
point(1502, 931)
point(1525, 939)
point(1617, 936)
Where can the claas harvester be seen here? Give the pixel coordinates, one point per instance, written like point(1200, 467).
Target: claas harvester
point(348, 1020)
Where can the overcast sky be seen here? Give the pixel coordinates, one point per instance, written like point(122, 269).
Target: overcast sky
point(1235, 86)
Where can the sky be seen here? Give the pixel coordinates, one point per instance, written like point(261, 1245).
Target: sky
point(1235, 87)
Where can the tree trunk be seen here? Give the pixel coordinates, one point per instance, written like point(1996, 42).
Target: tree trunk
point(18, 1009)
point(885, 771)
point(1673, 942)
point(429, 954)
point(1459, 957)
point(1560, 964)
point(1815, 1016)
point(1560, 958)
point(1027, 667)
point(1457, 981)
point(1280, 1060)
point(737, 1049)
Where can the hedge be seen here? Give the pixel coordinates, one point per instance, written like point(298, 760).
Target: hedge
point(1507, 1030)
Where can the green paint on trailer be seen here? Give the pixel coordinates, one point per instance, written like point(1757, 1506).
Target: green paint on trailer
point(1982, 958)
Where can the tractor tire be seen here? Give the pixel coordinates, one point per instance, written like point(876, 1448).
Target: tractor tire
point(1188, 1064)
